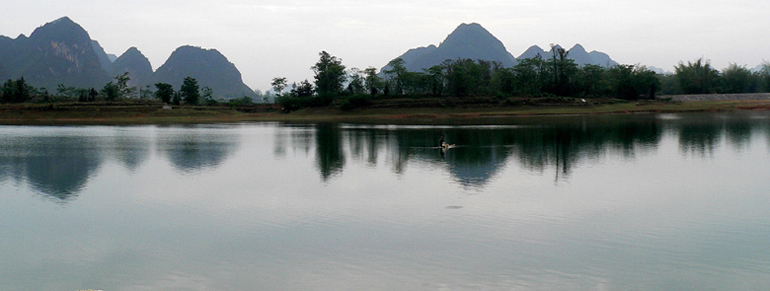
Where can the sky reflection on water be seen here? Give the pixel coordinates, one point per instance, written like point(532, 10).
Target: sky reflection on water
point(61, 164)
point(671, 202)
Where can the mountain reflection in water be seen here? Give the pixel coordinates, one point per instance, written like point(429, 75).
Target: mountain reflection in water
point(482, 150)
point(537, 144)
point(59, 166)
point(59, 161)
point(616, 202)
point(192, 149)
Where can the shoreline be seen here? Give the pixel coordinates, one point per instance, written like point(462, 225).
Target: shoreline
point(152, 113)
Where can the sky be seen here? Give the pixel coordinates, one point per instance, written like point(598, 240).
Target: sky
point(268, 39)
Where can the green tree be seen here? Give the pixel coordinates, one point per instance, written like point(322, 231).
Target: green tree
point(646, 82)
point(529, 76)
point(303, 90)
point(436, 79)
point(562, 71)
point(329, 75)
point(22, 91)
point(278, 85)
point(697, 77)
point(113, 90)
point(764, 76)
point(190, 91)
point(372, 81)
point(386, 88)
point(591, 81)
point(458, 76)
point(9, 91)
point(669, 85)
point(177, 98)
point(484, 70)
point(121, 82)
point(502, 82)
point(300, 96)
point(630, 82)
point(738, 79)
point(356, 85)
point(621, 82)
point(396, 72)
point(82, 95)
point(145, 93)
point(110, 91)
point(245, 100)
point(208, 95)
point(465, 77)
point(92, 94)
point(164, 92)
point(414, 83)
point(65, 91)
point(15, 91)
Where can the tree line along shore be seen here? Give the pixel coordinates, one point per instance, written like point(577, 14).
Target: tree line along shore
point(552, 85)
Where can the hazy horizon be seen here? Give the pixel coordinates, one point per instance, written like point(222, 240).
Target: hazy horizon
point(267, 39)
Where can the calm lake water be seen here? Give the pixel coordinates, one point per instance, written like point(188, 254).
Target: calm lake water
point(642, 202)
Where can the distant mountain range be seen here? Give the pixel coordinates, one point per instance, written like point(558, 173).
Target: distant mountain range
point(209, 67)
point(62, 52)
point(136, 64)
point(472, 41)
point(576, 53)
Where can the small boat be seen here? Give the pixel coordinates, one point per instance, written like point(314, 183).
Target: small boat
point(445, 145)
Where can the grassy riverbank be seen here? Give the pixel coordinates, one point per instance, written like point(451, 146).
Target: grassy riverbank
point(436, 110)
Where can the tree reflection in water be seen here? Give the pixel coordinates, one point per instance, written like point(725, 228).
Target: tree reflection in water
point(329, 153)
point(59, 162)
point(536, 144)
point(193, 149)
point(129, 147)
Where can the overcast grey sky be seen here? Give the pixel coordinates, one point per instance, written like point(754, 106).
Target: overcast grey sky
point(266, 39)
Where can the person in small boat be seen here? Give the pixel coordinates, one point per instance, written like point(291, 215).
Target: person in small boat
point(443, 144)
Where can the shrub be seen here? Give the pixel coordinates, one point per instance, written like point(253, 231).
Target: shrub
point(354, 101)
point(290, 103)
point(245, 100)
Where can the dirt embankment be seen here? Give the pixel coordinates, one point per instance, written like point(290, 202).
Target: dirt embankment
point(425, 110)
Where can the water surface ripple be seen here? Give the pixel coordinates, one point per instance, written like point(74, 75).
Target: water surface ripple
point(626, 202)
